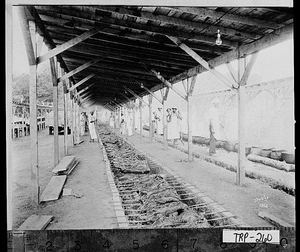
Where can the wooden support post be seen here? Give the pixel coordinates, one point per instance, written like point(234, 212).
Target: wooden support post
point(53, 66)
point(33, 120)
point(23, 123)
point(150, 119)
point(73, 121)
point(240, 175)
point(190, 88)
point(164, 125)
point(133, 116)
point(65, 117)
point(141, 123)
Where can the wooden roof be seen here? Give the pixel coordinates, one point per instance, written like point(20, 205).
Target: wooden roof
point(130, 41)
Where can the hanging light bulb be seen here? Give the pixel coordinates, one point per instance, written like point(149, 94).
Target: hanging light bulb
point(219, 40)
point(142, 85)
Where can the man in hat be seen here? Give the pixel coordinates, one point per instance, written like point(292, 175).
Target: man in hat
point(159, 122)
point(214, 126)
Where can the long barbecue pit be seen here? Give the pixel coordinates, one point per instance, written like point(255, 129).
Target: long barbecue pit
point(152, 198)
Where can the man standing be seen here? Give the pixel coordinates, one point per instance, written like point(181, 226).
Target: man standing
point(82, 124)
point(92, 129)
point(214, 126)
point(159, 122)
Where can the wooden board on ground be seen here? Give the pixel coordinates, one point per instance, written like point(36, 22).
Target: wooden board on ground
point(53, 189)
point(273, 220)
point(72, 168)
point(65, 164)
point(36, 222)
point(271, 162)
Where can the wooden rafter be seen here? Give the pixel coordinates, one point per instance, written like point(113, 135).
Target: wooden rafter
point(135, 95)
point(168, 84)
point(81, 82)
point(79, 13)
point(200, 60)
point(65, 46)
point(229, 17)
point(79, 69)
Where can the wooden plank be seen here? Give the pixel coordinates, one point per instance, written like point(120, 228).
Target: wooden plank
point(150, 118)
point(66, 163)
point(240, 173)
point(168, 84)
point(36, 222)
point(248, 69)
point(54, 188)
point(141, 123)
point(53, 67)
point(84, 89)
point(199, 59)
point(135, 95)
point(274, 220)
point(33, 120)
point(230, 17)
point(66, 123)
point(79, 69)
point(231, 71)
point(198, 26)
point(29, 45)
point(82, 81)
point(154, 95)
point(65, 46)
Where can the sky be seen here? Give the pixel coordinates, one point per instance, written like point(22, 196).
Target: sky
point(272, 63)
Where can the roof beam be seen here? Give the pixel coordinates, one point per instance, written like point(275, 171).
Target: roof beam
point(168, 84)
point(200, 60)
point(248, 69)
point(85, 14)
point(203, 12)
point(43, 31)
point(85, 89)
point(82, 81)
point(178, 22)
point(79, 69)
point(268, 40)
point(67, 45)
point(135, 95)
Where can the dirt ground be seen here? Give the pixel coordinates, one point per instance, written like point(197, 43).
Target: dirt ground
point(90, 208)
point(219, 184)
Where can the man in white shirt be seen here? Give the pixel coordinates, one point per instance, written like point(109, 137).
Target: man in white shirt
point(214, 126)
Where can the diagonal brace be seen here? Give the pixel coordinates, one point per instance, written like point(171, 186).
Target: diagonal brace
point(79, 69)
point(61, 48)
point(135, 95)
point(200, 60)
point(81, 82)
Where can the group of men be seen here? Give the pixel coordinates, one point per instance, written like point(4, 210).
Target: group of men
point(89, 120)
point(173, 120)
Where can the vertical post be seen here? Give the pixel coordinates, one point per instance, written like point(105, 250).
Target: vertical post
point(65, 116)
point(8, 101)
point(78, 121)
point(150, 119)
point(33, 121)
point(53, 66)
point(23, 123)
point(73, 121)
point(164, 124)
point(133, 117)
point(240, 175)
point(190, 150)
point(141, 123)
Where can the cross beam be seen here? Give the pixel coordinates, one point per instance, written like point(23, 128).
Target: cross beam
point(82, 81)
point(79, 69)
point(67, 45)
point(135, 95)
point(168, 84)
point(200, 60)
